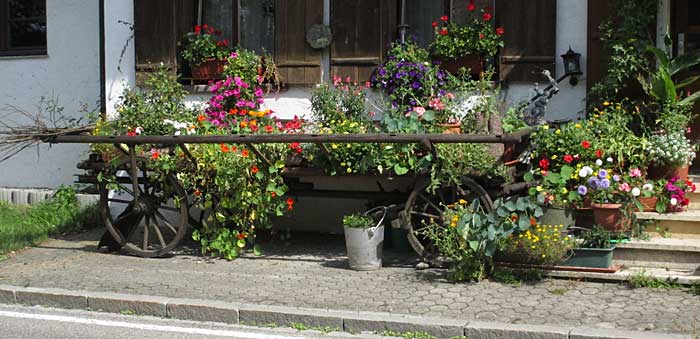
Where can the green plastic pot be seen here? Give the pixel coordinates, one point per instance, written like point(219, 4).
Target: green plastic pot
point(556, 216)
point(591, 257)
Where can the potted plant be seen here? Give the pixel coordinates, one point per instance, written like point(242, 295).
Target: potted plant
point(609, 200)
point(594, 249)
point(456, 46)
point(541, 244)
point(672, 197)
point(556, 197)
point(205, 52)
point(671, 154)
point(364, 238)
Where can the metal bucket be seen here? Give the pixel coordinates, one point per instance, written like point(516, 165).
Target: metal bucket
point(364, 245)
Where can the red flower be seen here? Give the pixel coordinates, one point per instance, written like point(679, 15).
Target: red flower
point(269, 129)
point(197, 29)
point(273, 194)
point(224, 148)
point(435, 24)
point(487, 16)
point(245, 153)
point(254, 169)
point(568, 158)
point(544, 164)
point(471, 7)
point(585, 144)
point(533, 222)
point(290, 204)
point(514, 218)
point(444, 18)
point(598, 153)
point(201, 118)
point(443, 31)
point(241, 236)
point(481, 36)
point(155, 155)
point(217, 32)
point(254, 128)
point(500, 31)
point(130, 134)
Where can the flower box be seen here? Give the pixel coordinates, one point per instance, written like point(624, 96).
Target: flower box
point(591, 257)
point(667, 172)
point(610, 217)
point(473, 62)
point(208, 70)
point(558, 216)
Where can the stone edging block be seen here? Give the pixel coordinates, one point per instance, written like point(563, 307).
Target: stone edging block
point(50, 297)
point(7, 295)
point(202, 310)
point(127, 304)
point(604, 333)
point(487, 330)
point(380, 322)
point(284, 316)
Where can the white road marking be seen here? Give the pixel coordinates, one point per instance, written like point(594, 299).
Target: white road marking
point(149, 327)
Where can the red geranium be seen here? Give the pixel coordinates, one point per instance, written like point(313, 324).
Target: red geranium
point(444, 18)
point(435, 24)
point(544, 164)
point(197, 29)
point(568, 158)
point(254, 169)
point(471, 7)
point(290, 204)
point(443, 31)
point(487, 16)
point(598, 153)
point(585, 144)
point(500, 31)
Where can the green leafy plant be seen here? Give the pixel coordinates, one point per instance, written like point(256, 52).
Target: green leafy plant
point(660, 83)
point(540, 245)
point(641, 279)
point(358, 221)
point(596, 237)
point(671, 149)
point(337, 102)
point(478, 36)
point(203, 44)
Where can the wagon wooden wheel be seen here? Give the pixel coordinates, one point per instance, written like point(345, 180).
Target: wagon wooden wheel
point(147, 216)
point(423, 206)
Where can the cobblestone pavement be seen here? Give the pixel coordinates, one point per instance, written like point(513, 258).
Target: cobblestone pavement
point(311, 272)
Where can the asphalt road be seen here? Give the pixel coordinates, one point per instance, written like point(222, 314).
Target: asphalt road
point(18, 322)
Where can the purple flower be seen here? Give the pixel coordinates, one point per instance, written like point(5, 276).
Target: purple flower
point(593, 182)
point(412, 73)
point(413, 102)
point(416, 85)
point(582, 190)
point(616, 178)
point(604, 184)
point(602, 174)
point(382, 71)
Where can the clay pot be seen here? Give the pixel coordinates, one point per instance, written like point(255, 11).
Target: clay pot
point(648, 203)
point(473, 62)
point(610, 217)
point(208, 70)
point(451, 128)
point(667, 172)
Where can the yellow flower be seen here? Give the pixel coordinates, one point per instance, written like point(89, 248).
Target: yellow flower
point(462, 201)
point(349, 170)
point(558, 131)
point(545, 126)
point(540, 188)
point(334, 146)
point(554, 157)
point(564, 190)
point(577, 125)
point(606, 103)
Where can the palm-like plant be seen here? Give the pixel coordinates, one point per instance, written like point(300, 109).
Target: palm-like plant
point(663, 84)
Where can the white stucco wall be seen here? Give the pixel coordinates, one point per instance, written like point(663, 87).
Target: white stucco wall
point(120, 54)
point(571, 30)
point(70, 72)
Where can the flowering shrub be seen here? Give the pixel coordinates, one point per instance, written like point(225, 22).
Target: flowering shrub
point(478, 36)
point(539, 245)
point(203, 44)
point(339, 101)
point(673, 149)
point(233, 99)
point(244, 64)
point(673, 197)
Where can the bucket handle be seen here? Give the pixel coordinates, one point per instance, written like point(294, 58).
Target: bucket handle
point(371, 230)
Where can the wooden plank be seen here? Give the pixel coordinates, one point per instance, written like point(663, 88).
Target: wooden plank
point(297, 62)
point(597, 57)
point(530, 39)
point(155, 37)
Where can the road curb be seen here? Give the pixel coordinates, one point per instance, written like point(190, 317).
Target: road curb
point(264, 315)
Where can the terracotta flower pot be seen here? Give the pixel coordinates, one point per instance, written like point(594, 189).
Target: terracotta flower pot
point(474, 62)
point(610, 217)
point(667, 172)
point(451, 128)
point(648, 203)
point(208, 70)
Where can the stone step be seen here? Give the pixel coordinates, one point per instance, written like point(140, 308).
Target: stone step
point(679, 276)
point(658, 252)
point(684, 224)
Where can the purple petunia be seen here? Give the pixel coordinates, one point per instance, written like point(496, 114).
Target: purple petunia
point(582, 190)
point(602, 174)
point(604, 184)
point(593, 182)
point(616, 178)
point(416, 85)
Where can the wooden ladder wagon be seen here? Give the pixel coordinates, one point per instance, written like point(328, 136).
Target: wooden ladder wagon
point(160, 212)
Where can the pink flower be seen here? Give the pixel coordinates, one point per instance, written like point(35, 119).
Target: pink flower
point(234, 55)
point(258, 92)
point(625, 187)
point(419, 110)
point(635, 173)
point(436, 104)
point(238, 81)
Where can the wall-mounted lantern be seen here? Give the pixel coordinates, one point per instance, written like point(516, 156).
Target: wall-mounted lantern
point(572, 66)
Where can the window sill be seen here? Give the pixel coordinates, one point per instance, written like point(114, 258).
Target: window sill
point(23, 57)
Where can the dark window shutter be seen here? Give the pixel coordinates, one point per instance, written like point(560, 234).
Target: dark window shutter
point(296, 61)
point(361, 31)
point(530, 39)
point(158, 26)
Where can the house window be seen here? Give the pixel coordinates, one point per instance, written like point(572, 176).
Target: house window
point(22, 27)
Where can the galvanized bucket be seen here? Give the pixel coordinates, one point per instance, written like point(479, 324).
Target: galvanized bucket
point(364, 245)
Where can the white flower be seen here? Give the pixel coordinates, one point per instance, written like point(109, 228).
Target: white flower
point(138, 130)
point(177, 133)
point(609, 159)
point(636, 192)
point(648, 187)
point(588, 169)
point(674, 201)
point(583, 173)
point(599, 162)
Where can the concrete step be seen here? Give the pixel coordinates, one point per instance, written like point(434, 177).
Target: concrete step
point(684, 224)
point(657, 252)
point(679, 276)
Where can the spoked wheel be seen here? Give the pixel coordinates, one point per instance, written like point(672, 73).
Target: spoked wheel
point(148, 221)
point(424, 209)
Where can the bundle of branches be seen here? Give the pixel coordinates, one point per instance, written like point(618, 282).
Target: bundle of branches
point(42, 126)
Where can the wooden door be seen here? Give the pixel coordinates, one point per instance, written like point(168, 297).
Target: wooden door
point(296, 61)
point(361, 31)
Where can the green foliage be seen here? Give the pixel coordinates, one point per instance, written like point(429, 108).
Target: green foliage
point(660, 83)
point(457, 160)
point(612, 132)
point(244, 64)
point(539, 245)
point(22, 226)
point(641, 279)
point(671, 149)
point(358, 221)
point(203, 44)
point(596, 237)
point(478, 36)
point(407, 335)
point(625, 33)
point(516, 277)
point(145, 111)
point(338, 102)
point(514, 120)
